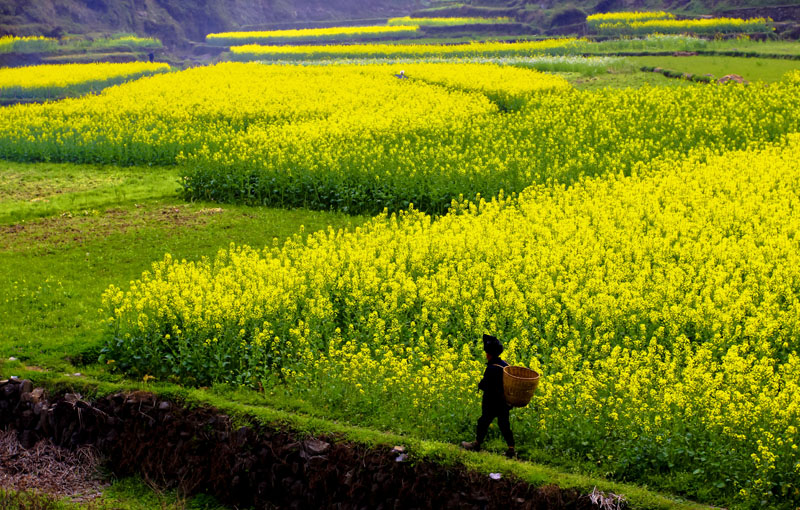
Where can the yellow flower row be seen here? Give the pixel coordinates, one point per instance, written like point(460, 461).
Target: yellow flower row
point(56, 80)
point(445, 22)
point(672, 26)
point(333, 33)
point(258, 52)
point(661, 308)
point(509, 86)
point(627, 17)
point(10, 43)
point(63, 75)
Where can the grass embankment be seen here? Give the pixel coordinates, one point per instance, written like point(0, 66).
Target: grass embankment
point(248, 408)
point(105, 225)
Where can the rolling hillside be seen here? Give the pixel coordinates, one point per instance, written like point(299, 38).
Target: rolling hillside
point(176, 22)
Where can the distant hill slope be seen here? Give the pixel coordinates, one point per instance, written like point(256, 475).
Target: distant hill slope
point(177, 21)
point(560, 16)
point(688, 6)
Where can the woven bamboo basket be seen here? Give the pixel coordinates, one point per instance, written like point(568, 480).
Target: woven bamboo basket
point(519, 383)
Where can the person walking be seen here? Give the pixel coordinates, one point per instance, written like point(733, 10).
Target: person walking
point(494, 402)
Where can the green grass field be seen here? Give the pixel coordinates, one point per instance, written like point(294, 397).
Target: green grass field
point(627, 77)
point(686, 43)
point(751, 69)
point(67, 231)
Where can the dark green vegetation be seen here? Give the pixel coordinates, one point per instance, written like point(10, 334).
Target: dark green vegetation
point(84, 43)
point(740, 47)
point(519, 7)
point(86, 48)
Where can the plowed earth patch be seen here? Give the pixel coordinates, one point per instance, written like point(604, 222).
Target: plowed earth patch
point(69, 229)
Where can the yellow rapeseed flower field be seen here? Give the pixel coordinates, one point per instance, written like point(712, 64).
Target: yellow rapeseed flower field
point(310, 34)
point(627, 17)
point(358, 139)
point(445, 22)
point(509, 86)
point(472, 49)
point(684, 26)
point(661, 308)
point(56, 80)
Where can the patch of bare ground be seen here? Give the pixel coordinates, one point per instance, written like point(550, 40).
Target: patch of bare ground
point(22, 186)
point(49, 469)
point(88, 225)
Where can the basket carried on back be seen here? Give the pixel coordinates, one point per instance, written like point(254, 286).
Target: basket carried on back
point(519, 383)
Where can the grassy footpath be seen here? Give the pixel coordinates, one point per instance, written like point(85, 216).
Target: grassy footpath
point(309, 426)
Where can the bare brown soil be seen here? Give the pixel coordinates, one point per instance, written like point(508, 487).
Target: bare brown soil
point(261, 466)
point(82, 226)
point(48, 468)
point(20, 186)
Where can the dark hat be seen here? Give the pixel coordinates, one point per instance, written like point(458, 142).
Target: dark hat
point(492, 345)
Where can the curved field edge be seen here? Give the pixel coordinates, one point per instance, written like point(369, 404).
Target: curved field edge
point(418, 449)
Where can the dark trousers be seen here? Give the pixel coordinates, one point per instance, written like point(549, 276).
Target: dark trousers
point(489, 414)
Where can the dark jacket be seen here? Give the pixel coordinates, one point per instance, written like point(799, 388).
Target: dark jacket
point(492, 384)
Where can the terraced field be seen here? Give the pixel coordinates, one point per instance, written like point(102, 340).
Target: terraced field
point(323, 245)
